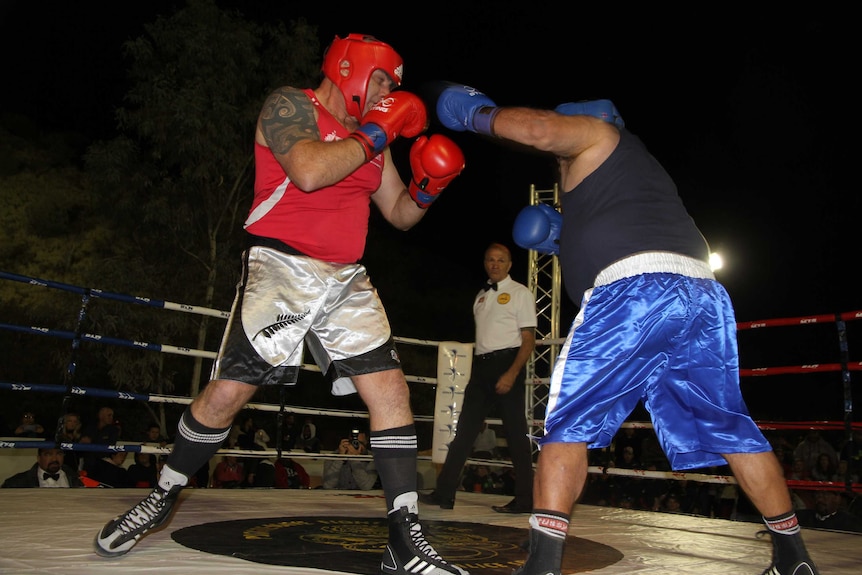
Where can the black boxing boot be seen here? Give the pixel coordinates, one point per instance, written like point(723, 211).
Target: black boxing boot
point(408, 552)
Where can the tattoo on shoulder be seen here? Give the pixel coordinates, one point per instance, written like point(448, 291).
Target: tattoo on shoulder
point(286, 118)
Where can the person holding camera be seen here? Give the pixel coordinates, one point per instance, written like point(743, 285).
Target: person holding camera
point(349, 473)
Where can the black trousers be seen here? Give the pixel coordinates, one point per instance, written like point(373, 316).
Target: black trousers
point(479, 398)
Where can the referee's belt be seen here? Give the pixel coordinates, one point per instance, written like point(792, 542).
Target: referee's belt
point(497, 353)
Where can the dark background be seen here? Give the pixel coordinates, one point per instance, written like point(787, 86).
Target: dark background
point(750, 111)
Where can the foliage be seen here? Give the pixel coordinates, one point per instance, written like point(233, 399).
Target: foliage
point(177, 180)
point(157, 211)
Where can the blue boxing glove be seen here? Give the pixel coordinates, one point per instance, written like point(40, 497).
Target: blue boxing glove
point(601, 109)
point(538, 228)
point(461, 108)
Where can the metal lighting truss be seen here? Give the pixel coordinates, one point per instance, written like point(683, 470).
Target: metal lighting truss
point(544, 281)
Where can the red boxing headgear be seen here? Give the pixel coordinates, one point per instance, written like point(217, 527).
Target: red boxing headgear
point(349, 63)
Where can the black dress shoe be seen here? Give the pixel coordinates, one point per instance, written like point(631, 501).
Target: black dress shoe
point(434, 498)
point(514, 506)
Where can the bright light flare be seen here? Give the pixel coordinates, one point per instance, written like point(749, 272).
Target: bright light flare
point(715, 261)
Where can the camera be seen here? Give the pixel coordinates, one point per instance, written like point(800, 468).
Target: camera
point(354, 438)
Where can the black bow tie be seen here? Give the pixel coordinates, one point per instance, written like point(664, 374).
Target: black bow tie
point(488, 286)
point(54, 476)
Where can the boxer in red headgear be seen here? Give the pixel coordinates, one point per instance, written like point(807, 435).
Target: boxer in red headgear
point(321, 159)
point(350, 62)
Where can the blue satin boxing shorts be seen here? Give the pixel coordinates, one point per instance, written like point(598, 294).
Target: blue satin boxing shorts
point(668, 340)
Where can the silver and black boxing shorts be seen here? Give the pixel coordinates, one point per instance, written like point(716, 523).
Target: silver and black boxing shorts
point(285, 301)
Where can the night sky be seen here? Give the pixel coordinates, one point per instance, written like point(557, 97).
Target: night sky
point(748, 112)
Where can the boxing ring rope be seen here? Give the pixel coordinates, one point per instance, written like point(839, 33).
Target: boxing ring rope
point(845, 367)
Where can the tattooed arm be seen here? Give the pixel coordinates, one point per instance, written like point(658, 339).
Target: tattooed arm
point(287, 125)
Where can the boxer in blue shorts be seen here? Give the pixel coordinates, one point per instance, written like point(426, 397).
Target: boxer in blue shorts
point(653, 324)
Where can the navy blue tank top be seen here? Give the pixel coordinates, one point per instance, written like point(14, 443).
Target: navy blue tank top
point(629, 204)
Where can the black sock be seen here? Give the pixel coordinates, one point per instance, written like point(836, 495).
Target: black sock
point(548, 531)
point(784, 524)
point(195, 444)
point(395, 451)
point(554, 525)
point(787, 545)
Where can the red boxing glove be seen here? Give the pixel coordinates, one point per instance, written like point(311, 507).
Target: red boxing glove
point(398, 114)
point(435, 162)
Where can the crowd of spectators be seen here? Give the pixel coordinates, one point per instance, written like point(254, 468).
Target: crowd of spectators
point(112, 468)
point(807, 458)
point(812, 457)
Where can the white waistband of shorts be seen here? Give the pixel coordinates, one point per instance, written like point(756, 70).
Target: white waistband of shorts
point(654, 263)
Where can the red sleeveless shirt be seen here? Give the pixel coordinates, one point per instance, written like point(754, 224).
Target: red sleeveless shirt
point(329, 224)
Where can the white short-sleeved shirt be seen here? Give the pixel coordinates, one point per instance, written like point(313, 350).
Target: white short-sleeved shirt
point(500, 315)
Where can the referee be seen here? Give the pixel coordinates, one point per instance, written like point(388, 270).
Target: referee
point(504, 313)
